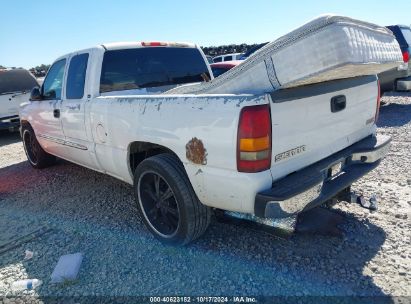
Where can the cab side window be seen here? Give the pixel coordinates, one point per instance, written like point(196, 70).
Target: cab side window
point(54, 81)
point(76, 76)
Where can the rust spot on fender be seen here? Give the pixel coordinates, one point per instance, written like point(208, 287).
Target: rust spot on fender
point(195, 151)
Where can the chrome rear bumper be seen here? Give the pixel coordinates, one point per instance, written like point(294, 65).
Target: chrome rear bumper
point(404, 84)
point(318, 182)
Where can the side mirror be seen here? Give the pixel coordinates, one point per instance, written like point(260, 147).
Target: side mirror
point(35, 94)
point(51, 94)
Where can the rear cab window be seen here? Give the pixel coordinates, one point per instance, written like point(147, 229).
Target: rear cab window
point(76, 76)
point(151, 67)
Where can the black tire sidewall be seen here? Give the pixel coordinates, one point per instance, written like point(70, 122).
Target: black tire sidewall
point(43, 158)
point(27, 149)
point(176, 182)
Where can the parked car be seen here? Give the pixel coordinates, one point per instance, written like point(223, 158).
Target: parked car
point(252, 51)
point(399, 79)
point(227, 57)
point(15, 87)
point(222, 67)
point(187, 155)
point(209, 59)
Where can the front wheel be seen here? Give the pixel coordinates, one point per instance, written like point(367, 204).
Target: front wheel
point(167, 202)
point(36, 156)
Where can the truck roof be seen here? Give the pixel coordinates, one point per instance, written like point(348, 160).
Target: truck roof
point(131, 45)
point(135, 44)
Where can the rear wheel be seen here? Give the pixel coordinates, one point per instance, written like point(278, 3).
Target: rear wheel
point(36, 156)
point(167, 202)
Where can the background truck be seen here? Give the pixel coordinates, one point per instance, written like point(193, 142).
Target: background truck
point(271, 155)
point(399, 79)
point(15, 87)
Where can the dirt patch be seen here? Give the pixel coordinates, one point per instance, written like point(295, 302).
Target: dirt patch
point(195, 151)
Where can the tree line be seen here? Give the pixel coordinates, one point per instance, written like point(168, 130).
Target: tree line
point(227, 49)
point(40, 70)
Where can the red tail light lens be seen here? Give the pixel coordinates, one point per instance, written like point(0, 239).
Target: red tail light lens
point(377, 111)
point(153, 43)
point(406, 56)
point(254, 139)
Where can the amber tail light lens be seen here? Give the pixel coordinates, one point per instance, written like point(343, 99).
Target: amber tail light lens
point(254, 139)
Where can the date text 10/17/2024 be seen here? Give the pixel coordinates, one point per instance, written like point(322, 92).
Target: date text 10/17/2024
point(203, 299)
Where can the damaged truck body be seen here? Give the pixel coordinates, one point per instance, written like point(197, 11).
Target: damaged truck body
point(152, 115)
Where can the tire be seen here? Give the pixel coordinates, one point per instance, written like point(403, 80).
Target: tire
point(167, 202)
point(37, 157)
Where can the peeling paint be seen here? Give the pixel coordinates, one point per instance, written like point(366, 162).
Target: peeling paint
point(196, 152)
point(240, 101)
point(199, 172)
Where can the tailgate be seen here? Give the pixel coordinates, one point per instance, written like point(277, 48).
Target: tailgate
point(310, 123)
point(7, 106)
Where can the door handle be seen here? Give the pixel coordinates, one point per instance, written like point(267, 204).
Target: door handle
point(338, 103)
point(56, 113)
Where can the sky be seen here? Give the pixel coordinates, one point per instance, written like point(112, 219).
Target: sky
point(36, 32)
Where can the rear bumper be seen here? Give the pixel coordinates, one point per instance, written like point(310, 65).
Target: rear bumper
point(389, 79)
point(9, 122)
point(314, 185)
point(404, 84)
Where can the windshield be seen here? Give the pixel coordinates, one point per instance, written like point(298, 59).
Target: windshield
point(18, 80)
point(151, 67)
point(407, 35)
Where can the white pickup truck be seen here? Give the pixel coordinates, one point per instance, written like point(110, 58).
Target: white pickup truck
point(15, 87)
point(271, 155)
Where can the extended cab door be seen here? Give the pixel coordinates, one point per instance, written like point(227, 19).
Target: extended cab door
point(80, 147)
point(45, 116)
point(73, 104)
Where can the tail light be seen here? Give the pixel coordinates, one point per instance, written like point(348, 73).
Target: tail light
point(406, 56)
point(254, 139)
point(377, 111)
point(158, 43)
point(153, 44)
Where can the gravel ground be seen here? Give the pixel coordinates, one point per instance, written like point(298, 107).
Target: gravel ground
point(84, 211)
